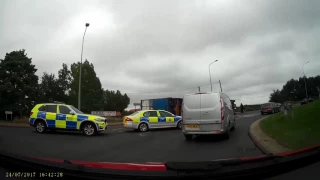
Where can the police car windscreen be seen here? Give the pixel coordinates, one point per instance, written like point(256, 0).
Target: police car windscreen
point(76, 110)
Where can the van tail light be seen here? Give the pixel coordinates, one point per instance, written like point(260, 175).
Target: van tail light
point(222, 108)
point(31, 113)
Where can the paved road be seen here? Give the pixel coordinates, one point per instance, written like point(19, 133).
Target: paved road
point(121, 145)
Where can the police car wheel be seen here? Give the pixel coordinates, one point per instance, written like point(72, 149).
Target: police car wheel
point(40, 126)
point(179, 125)
point(88, 129)
point(143, 127)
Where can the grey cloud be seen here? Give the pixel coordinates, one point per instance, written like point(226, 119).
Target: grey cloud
point(199, 26)
point(167, 45)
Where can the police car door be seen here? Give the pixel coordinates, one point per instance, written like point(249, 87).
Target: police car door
point(67, 120)
point(153, 119)
point(169, 119)
point(51, 112)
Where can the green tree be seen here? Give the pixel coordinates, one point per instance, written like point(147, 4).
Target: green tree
point(64, 82)
point(18, 83)
point(294, 90)
point(64, 78)
point(115, 101)
point(275, 96)
point(50, 90)
point(91, 90)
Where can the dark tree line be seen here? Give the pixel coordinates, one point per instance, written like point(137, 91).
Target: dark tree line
point(294, 90)
point(21, 88)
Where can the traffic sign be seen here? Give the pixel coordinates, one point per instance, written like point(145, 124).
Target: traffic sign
point(8, 112)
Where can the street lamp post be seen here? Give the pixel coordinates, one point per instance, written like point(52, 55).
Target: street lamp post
point(305, 83)
point(79, 92)
point(210, 72)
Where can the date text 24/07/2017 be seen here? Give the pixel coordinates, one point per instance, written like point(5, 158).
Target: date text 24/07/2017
point(33, 174)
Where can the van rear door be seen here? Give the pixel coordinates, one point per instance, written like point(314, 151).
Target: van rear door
point(210, 112)
point(202, 112)
point(191, 109)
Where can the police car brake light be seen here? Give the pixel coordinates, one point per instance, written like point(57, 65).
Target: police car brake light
point(201, 93)
point(128, 119)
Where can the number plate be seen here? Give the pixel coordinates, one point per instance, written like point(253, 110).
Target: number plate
point(192, 126)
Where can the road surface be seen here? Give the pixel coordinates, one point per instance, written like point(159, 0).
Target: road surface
point(121, 145)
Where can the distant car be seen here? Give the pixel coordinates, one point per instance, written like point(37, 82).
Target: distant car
point(151, 119)
point(304, 101)
point(310, 100)
point(269, 108)
point(207, 113)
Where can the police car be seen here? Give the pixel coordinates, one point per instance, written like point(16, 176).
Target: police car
point(150, 119)
point(60, 116)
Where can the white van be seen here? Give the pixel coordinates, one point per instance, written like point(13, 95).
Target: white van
point(207, 113)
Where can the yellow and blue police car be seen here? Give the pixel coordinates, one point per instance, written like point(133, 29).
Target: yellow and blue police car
point(150, 119)
point(60, 116)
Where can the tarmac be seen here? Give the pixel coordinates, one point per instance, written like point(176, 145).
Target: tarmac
point(13, 124)
point(266, 144)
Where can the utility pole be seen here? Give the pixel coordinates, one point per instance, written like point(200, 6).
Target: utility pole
point(220, 85)
point(210, 73)
point(305, 83)
point(199, 88)
point(79, 90)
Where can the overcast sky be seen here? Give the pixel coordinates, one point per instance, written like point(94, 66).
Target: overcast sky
point(154, 49)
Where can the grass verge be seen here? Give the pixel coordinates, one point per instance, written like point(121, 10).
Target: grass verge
point(298, 129)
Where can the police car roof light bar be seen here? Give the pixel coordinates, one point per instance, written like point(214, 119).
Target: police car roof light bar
point(58, 102)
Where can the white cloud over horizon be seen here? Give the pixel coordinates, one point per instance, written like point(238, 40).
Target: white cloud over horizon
point(141, 47)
